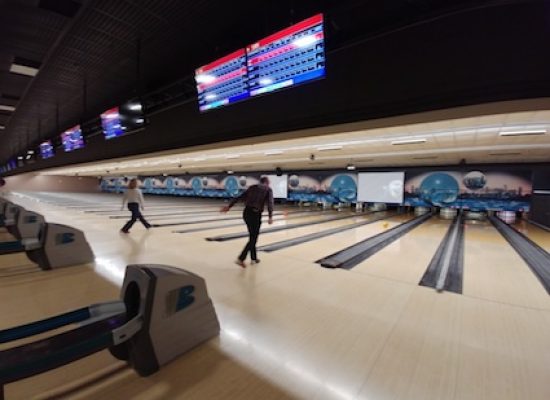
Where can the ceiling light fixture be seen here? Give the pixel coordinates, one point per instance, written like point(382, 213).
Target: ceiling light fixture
point(135, 107)
point(22, 66)
point(505, 154)
point(408, 141)
point(330, 148)
point(2, 127)
point(351, 167)
point(7, 108)
point(532, 132)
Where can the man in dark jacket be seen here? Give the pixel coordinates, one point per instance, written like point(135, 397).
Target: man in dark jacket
point(255, 198)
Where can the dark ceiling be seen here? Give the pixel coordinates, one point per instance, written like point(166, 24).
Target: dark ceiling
point(94, 54)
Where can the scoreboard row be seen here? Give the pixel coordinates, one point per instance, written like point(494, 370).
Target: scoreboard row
point(290, 57)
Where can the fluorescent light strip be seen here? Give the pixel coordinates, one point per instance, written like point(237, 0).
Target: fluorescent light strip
point(7, 108)
point(23, 70)
point(408, 141)
point(523, 133)
point(2, 127)
point(330, 148)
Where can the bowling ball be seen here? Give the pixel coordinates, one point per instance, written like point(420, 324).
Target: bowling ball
point(439, 188)
point(474, 180)
point(204, 181)
point(196, 184)
point(293, 181)
point(232, 186)
point(242, 181)
point(343, 188)
point(385, 225)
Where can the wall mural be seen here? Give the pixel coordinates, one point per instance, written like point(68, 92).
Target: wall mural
point(475, 190)
point(328, 187)
point(213, 186)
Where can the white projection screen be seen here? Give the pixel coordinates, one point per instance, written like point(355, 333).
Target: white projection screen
point(279, 184)
point(381, 187)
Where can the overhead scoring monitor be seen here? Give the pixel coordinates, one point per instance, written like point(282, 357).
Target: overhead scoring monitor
point(72, 139)
point(110, 121)
point(46, 149)
point(287, 58)
point(121, 120)
point(292, 56)
point(223, 81)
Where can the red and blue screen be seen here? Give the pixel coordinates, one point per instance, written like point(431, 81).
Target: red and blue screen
point(287, 58)
point(46, 149)
point(110, 121)
point(72, 139)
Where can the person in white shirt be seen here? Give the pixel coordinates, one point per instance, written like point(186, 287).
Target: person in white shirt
point(134, 198)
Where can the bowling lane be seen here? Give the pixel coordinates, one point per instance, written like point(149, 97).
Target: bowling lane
point(222, 227)
point(494, 271)
point(278, 220)
point(312, 251)
point(299, 232)
point(535, 233)
point(408, 257)
point(447, 346)
point(213, 216)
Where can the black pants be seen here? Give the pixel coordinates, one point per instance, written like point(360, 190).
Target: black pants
point(253, 220)
point(136, 214)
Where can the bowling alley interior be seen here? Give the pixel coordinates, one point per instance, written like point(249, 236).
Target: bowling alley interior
point(288, 200)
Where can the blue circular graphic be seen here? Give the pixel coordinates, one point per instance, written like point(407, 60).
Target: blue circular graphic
point(439, 188)
point(343, 188)
point(293, 181)
point(196, 184)
point(232, 186)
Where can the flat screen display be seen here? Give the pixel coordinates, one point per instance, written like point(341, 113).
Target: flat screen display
point(46, 149)
point(292, 56)
point(124, 119)
point(279, 185)
point(110, 122)
point(72, 139)
point(381, 187)
point(223, 81)
point(287, 58)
